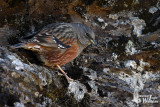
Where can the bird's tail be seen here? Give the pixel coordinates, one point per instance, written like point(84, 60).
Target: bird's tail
point(16, 46)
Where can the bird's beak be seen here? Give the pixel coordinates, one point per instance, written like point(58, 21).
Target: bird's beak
point(93, 42)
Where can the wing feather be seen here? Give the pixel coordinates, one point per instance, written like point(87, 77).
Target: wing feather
point(56, 36)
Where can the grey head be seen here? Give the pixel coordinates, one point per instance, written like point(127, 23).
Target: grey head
point(85, 34)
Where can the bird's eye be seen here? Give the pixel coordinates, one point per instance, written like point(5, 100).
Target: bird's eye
point(88, 35)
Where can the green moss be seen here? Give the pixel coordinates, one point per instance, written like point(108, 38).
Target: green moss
point(60, 97)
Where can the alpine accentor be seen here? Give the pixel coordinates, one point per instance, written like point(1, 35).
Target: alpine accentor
point(59, 43)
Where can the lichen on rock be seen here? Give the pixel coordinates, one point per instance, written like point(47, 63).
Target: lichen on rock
point(121, 70)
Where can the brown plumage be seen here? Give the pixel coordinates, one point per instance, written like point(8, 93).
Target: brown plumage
point(59, 43)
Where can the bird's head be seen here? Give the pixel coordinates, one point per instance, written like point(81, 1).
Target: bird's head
point(85, 34)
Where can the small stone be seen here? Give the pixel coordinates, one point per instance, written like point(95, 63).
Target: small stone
point(15, 75)
point(106, 70)
point(78, 89)
point(36, 94)
point(139, 25)
point(153, 10)
point(130, 63)
point(100, 20)
point(113, 16)
point(18, 104)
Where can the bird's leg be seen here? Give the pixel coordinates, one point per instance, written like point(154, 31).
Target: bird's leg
point(68, 79)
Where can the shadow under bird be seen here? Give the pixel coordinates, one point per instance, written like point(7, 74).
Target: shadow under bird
point(59, 43)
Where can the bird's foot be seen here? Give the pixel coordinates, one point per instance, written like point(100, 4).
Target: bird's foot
point(66, 76)
point(69, 79)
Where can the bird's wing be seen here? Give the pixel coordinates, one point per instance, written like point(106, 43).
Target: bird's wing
point(60, 36)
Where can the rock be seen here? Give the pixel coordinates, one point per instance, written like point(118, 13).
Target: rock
point(122, 70)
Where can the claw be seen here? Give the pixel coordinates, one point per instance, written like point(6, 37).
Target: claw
point(66, 76)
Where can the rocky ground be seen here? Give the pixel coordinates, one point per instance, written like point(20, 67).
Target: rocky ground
point(123, 70)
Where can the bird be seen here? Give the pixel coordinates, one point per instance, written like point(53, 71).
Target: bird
point(59, 43)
